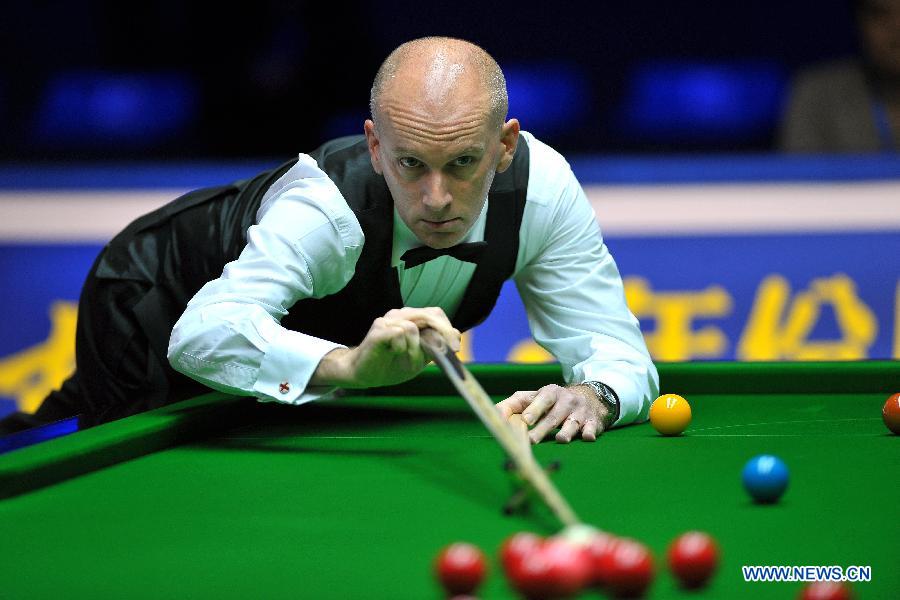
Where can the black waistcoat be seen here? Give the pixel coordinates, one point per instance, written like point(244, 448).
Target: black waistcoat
point(181, 246)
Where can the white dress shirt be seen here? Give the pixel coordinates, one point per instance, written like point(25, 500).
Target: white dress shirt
point(306, 242)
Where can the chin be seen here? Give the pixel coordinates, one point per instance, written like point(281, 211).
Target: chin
point(441, 241)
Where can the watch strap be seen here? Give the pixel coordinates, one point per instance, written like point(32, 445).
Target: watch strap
point(608, 397)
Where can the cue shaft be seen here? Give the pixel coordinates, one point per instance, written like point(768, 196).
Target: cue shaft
point(469, 388)
point(520, 429)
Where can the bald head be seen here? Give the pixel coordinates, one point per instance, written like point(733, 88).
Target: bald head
point(435, 70)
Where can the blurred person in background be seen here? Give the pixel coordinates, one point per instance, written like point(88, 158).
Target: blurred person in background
point(851, 105)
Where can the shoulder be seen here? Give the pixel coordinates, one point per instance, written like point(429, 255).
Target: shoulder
point(550, 176)
point(557, 212)
point(305, 198)
point(304, 173)
point(549, 172)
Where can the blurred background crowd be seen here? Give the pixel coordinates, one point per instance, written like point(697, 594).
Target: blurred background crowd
point(195, 79)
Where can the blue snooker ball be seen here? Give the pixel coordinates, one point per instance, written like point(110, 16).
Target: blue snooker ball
point(765, 478)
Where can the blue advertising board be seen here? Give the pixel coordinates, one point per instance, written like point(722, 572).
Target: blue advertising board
point(760, 297)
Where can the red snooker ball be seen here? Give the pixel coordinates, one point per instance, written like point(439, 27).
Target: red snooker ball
point(826, 590)
point(891, 413)
point(516, 547)
point(631, 571)
point(600, 551)
point(558, 569)
point(460, 567)
point(693, 558)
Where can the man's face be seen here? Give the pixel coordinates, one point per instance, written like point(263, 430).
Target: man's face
point(439, 162)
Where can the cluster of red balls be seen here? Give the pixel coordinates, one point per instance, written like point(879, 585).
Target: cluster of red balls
point(561, 567)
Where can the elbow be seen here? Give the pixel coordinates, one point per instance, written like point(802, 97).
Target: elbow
point(185, 357)
point(179, 346)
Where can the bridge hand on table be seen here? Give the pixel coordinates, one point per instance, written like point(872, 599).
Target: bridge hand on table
point(574, 410)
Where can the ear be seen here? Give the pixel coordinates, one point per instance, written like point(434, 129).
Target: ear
point(374, 145)
point(509, 137)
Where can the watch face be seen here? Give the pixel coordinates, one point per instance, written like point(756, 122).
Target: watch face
point(602, 390)
point(607, 396)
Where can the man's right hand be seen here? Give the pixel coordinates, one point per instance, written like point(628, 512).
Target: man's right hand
point(390, 353)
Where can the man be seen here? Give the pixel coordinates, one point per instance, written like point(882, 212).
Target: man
point(850, 104)
point(321, 273)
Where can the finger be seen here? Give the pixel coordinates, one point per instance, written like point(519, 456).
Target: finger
point(515, 404)
point(398, 339)
point(413, 344)
point(570, 428)
point(542, 401)
point(451, 334)
point(406, 312)
point(382, 332)
point(591, 430)
point(400, 336)
point(550, 421)
point(390, 329)
point(433, 317)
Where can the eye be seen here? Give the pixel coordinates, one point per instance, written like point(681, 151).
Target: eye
point(464, 161)
point(408, 162)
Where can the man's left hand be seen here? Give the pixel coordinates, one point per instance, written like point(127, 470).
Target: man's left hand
point(575, 410)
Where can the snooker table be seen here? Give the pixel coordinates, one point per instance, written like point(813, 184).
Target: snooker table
point(224, 497)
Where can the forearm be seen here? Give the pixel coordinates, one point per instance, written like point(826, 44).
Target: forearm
point(334, 370)
point(575, 300)
point(609, 349)
point(239, 350)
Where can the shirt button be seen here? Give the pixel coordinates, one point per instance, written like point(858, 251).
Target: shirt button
point(284, 387)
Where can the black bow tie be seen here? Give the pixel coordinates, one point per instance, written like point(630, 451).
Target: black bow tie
point(469, 252)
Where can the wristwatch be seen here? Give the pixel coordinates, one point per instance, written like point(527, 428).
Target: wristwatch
point(608, 397)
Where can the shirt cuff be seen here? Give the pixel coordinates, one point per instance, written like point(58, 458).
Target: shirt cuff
point(289, 364)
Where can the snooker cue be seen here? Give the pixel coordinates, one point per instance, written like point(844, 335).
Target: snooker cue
point(520, 430)
point(469, 388)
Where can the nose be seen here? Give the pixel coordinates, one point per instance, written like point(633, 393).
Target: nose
point(435, 193)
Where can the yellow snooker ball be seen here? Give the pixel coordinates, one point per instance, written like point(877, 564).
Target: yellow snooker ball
point(670, 414)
